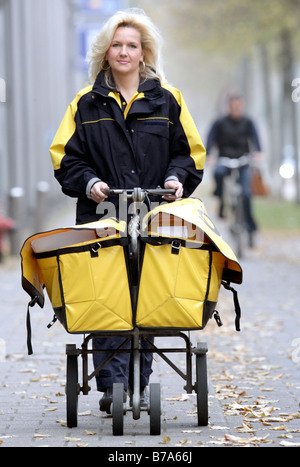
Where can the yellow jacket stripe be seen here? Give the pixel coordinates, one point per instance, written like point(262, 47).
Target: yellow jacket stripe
point(197, 150)
point(66, 130)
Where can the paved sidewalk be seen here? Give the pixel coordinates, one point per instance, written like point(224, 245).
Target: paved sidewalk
point(254, 375)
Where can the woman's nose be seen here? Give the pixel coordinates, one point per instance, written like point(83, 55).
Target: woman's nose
point(124, 50)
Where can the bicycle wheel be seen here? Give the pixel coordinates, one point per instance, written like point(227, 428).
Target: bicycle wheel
point(155, 409)
point(118, 409)
point(72, 388)
point(202, 389)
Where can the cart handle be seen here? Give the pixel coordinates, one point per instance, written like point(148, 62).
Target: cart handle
point(139, 194)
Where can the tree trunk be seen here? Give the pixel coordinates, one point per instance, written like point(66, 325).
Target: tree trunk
point(272, 123)
point(289, 107)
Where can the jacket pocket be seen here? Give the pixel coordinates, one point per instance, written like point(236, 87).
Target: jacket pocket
point(158, 126)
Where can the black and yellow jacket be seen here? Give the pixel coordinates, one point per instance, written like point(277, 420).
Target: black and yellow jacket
point(141, 144)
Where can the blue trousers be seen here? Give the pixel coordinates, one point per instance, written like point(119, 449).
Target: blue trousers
point(120, 368)
point(245, 180)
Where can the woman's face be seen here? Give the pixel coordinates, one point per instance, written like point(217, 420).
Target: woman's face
point(125, 52)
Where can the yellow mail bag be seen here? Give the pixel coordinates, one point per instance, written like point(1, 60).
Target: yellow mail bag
point(83, 269)
point(185, 262)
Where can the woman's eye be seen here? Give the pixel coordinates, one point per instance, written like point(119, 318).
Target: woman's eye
point(131, 46)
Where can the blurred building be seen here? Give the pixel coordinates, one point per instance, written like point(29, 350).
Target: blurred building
point(43, 44)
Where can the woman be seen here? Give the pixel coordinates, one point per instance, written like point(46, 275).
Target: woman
point(128, 129)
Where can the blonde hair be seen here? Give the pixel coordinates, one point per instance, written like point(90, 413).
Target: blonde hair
point(150, 39)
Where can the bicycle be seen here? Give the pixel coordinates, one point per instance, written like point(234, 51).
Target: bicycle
point(234, 199)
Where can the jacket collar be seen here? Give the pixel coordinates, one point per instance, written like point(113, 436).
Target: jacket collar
point(151, 87)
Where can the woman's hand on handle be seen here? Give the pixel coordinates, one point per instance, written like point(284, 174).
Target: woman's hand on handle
point(97, 194)
point(176, 185)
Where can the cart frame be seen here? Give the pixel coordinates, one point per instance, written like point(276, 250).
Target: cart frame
point(118, 407)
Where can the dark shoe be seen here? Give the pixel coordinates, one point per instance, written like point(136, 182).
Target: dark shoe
point(144, 398)
point(107, 398)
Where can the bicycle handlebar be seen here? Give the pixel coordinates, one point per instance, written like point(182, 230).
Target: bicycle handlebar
point(139, 193)
point(235, 163)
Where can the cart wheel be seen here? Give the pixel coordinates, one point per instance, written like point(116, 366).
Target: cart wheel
point(118, 409)
point(202, 389)
point(72, 388)
point(155, 409)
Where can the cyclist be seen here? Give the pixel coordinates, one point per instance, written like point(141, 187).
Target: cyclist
point(235, 135)
point(128, 129)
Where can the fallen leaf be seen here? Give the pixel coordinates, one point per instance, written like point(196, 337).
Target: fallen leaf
point(51, 377)
point(244, 428)
point(218, 442)
point(84, 414)
point(183, 397)
point(274, 419)
point(191, 431)
point(289, 444)
point(278, 428)
point(243, 441)
point(183, 441)
point(166, 440)
point(62, 422)
point(294, 415)
point(215, 427)
point(236, 439)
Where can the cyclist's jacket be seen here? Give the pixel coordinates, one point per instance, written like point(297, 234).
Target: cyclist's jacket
point(233, 138)
point(140, 143)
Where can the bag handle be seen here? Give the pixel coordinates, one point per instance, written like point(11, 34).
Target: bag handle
point(32, 302)
point(91, 247)
point(176, 243)
point(236, 304)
